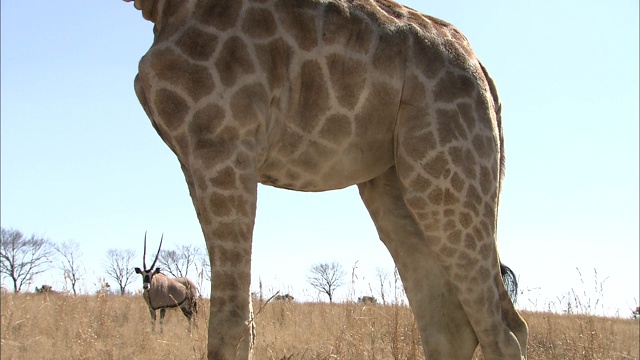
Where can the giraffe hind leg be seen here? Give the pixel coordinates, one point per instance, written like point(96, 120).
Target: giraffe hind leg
point(444, 328)
point(451, 191)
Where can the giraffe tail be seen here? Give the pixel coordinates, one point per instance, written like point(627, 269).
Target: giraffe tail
point(510, 281)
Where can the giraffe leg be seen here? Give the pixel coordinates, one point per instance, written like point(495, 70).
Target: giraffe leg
point(445, 330)
point(225, 202)
point(230, 324)
point(512, 318)
point(452, 194)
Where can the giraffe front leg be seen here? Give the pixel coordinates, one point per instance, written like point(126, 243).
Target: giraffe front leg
point(216, 145)
point(225, 201)
point(229, 245)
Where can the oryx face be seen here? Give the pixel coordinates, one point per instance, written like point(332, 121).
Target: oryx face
point(147, 274)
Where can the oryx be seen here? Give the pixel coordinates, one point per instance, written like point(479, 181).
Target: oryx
point(162, 292)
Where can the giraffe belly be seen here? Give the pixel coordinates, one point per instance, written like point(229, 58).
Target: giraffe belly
point(321, 167)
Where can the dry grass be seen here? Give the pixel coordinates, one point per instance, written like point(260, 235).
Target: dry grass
point(112, 327)
point(585, 337)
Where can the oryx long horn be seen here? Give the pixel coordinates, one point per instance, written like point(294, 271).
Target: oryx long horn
point(144, 254)
point(158, 253)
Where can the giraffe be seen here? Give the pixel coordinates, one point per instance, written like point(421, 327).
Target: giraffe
point(317, 95)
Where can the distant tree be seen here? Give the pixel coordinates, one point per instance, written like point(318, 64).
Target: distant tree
point(178, 262)
point(119, 267)
point(104, 287)
point(383, 278)
point(326, 278)
point(70, 265)
point(22, 258)
point(205, 265)
point(203, 269)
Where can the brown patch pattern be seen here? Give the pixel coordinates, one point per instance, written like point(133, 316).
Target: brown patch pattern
point(464, 160)
point(197, 44)
point(259, 23)
point(389, 55)
point(453, 86)
point(171, 108)
point(248, 105)
point(207, 121)
point(350, 30)
point(379, 112)
point(348, 77)
point(274, 59)
point(176, 69)
point(221, 14)
point(212, 151)
point(314, 97)
point(427, 56)
point(298, 19)
point(336, 129)
point(233, 61)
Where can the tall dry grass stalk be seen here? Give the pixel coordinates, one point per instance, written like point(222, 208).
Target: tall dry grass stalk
point(113, 327)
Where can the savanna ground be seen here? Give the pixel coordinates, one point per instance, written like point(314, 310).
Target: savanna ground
point(54, 326)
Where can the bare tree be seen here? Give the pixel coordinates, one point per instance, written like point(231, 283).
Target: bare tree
point(203, 268)
point(326, 278)
point(178, 262)
point(103, 286)
point(383, 278)
point(205, 265)
point(70, 265)
point(22, 258)
point(119, 267)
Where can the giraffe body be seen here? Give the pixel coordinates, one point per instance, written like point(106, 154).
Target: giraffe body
point(315, 95)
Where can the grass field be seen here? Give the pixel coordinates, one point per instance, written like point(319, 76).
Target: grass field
point(37, 326)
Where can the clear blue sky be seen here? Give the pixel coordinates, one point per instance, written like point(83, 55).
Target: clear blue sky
point(80, 160)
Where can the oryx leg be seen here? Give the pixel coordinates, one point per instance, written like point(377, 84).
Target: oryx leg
point(194, 316)
point(153, 319)
point(189, 313)
point(162, 313)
